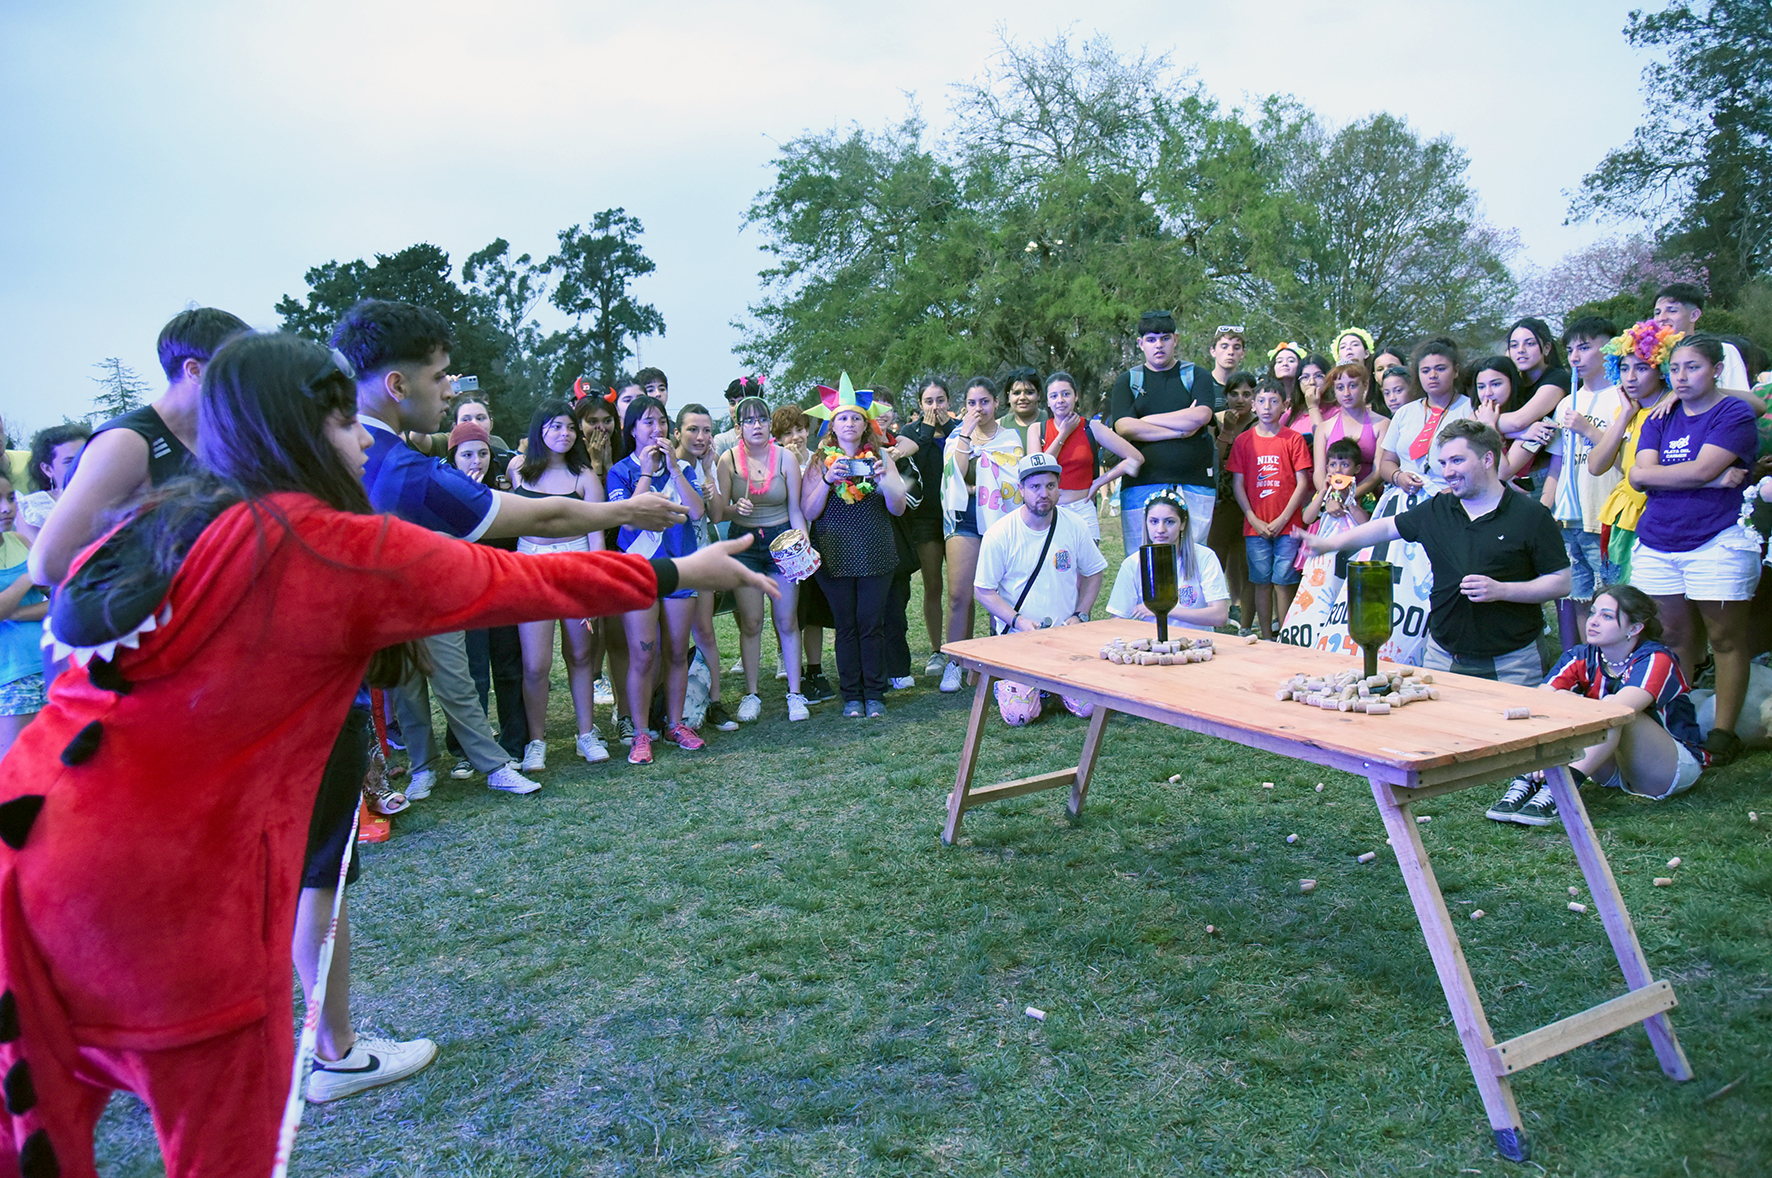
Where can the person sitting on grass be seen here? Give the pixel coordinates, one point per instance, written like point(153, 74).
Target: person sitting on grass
point(1658, 754)
point(1203, 599)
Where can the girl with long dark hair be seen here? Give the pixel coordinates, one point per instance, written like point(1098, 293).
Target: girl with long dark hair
point(148, 897)
point(554, 463)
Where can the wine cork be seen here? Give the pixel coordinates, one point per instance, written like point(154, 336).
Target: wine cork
point(1574, 907)
point(1307, 885)
point(1368, 857)
point(1574, 891)
point(1378, 709)
point(1674, 862)
point(1516, 714)
point(1662, 881)
point(1291, 838)
point(1035, 1013)
point(1476, 914)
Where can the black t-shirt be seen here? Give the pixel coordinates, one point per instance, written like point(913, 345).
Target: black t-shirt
point(1518, 541)
point(1206, 381)
point(930, 442)
point(1187, 462)
point(1560, 377)
point(168, 457)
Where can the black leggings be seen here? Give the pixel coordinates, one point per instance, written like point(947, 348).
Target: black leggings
point(858, 605)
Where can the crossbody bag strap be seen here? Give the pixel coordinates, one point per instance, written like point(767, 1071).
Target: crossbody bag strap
point(1039, 566)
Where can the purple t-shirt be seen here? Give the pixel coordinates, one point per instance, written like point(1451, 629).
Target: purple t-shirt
point(1679, 521)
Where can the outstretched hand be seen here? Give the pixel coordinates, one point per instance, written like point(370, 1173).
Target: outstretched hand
point(653, 512)
point(713, 568)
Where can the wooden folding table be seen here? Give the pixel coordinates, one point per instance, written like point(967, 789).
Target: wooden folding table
point(1418, 752)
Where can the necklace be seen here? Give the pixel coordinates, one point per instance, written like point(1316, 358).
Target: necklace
point(1616, 670)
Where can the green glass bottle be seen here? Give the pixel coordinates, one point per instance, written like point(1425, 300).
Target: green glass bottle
point(1369, 607)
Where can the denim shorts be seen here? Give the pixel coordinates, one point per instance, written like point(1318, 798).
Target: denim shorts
point(757, 557)
point(1272, 559)
point(1588, 565)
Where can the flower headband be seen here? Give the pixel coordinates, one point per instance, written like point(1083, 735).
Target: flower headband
point(1649, 341)
point(1359, 333)
point(1296, 349)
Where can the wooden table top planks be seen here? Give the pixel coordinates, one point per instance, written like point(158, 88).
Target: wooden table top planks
point(1233, 696)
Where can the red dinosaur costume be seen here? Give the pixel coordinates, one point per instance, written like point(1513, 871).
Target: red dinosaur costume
point(156, 812)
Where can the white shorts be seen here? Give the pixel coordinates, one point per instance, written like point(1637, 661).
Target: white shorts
point(1084, 511)
point(544, 548)
point(1685, 777)
point(1726, 568)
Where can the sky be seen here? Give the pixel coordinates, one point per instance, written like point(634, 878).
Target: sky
point(200, 151)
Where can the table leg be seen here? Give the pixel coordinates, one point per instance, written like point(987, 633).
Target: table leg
point(1455, 974)
point(1086, 763)
point(981, 700)
point(1610, 902)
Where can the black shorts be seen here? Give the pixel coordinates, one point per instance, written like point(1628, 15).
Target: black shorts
point(341, 790)
point(922, 529)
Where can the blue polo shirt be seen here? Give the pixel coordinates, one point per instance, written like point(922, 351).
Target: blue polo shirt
point(425, 491)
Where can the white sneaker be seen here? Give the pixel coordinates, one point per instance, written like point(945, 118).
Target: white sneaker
point(370, 1063)
point(508, 780)
point(535, 756)
point(936, 665)
point(749, 708)
point(781, 672)
point(737, 667)
point(603, 693)
point(797, 709)
point(591, 746)
point(950, 678)
point(903, 681)
point(419, 788)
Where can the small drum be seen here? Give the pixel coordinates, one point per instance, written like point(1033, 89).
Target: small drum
point(794, 555)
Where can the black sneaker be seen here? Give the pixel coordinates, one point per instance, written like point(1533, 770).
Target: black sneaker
point(1519, 792)
point(624, 730)
point(720, 719)
point(1723, 746)
point(816, 688)
point(1540, 811)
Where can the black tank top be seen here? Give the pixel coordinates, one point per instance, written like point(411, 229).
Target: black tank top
point(167, 456)
point(526, 493)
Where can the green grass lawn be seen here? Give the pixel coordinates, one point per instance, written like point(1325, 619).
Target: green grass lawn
point(759, 959)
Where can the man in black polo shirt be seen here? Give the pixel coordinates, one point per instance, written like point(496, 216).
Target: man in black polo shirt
point(1158, 408)
point(1497, 557)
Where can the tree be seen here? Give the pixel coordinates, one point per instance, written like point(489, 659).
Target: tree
point(1608, 268)
point(507, 291)
point(419, 274)
point(1699, 168)
point(120, 389)
point(596, 266)
point(1079, 189)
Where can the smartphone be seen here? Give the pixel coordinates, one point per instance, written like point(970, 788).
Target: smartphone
point(465, 384)
point(860, 468)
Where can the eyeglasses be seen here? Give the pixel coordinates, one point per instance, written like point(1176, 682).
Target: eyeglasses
point(335, 365)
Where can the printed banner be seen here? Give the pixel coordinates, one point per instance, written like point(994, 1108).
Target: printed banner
point(1318, 617)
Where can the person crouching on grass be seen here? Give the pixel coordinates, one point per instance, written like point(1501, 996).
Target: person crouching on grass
point(1037, 567)
point(1660, 752)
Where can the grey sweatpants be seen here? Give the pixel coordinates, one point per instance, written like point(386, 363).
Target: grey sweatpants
point(453, 685)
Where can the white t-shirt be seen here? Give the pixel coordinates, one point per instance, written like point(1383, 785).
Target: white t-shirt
point(1407, 425)
point(1128, 594)
point(1580, 494)
point(1006, 558)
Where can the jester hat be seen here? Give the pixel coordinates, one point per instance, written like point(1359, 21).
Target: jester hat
point(845, 396)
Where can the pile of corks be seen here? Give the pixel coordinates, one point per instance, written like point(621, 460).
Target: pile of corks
point(1350, 691)
point(1143, 652)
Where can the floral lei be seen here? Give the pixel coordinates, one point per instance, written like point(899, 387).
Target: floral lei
point(1649, 341)
point(849, 490)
